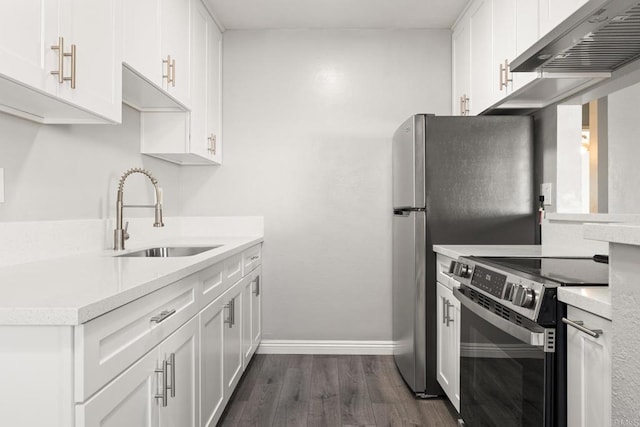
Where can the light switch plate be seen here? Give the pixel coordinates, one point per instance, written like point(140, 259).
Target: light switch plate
point(545, 190)
point(1, 185)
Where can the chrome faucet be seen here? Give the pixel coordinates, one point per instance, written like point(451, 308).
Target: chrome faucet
point(120, 234)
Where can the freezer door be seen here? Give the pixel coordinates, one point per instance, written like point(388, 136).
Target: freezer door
point(408, 163)
point(409, 297)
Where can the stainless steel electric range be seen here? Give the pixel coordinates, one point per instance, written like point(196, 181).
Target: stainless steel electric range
point(512, 342)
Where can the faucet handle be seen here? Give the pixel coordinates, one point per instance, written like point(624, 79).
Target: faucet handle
point(125, 233)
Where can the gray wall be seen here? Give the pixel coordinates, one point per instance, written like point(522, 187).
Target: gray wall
point(57, 172)
point(308, 120)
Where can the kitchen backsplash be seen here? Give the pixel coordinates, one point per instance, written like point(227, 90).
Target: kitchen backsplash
point(24, 242)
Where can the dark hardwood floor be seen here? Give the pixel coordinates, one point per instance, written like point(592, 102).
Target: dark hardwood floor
point(331, 391)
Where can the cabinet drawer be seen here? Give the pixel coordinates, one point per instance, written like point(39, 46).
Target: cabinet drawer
point(442, 270)
point(251, 258)
point(213, 283)
point(109, 344)
point(233, 269)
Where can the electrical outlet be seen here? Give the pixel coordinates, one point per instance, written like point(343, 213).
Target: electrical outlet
point(545, 190)
point(1, 185)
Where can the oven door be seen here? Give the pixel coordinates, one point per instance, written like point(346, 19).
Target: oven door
point(506, 376)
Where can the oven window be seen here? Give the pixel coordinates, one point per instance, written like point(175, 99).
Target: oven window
point(501, 378)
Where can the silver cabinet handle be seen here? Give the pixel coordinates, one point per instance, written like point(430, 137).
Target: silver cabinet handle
point(212, 144)
point(257, 288)
point(449, 319)
point(502, 75)
point(163, 316)
point(444, 310)
point(168, 75)
point(72, 54)
point(163, 372)
point(579, 325)
point(60, 48)
point(172, 363)
point(228, 320)
point(255, 257)
point(233, 312)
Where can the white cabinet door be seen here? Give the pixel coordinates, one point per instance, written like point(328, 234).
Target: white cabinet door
point(90, 59)
point(448, 343)
point(26, 36)
point(127, 401)
point(504, 45)
point(553, 12)
point(461, 45)
point(256, 309)
point(212, 326)
point(526, 34)
point(174, 18)
point(247, 335)
point(182, 351)
point(445, 356)
point(481, 64)
point(94, 27)
point(232, 361)
point(214, 91)
point(141, 50)
point(205, 85)
point(588, 371)
point(251, 314)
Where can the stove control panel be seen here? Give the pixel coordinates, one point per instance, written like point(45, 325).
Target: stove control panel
point(515, 292)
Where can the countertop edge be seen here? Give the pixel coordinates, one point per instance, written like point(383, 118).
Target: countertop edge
point(74, 316)
point(598, 304)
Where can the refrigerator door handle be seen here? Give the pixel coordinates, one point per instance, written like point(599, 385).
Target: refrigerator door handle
point(406, 211)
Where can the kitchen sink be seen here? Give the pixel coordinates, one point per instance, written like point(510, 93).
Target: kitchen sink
point(169, 251)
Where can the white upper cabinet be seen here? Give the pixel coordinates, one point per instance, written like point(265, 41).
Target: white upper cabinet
point(205, 78)
point(60, 60)
point(480, 28)
point(553, 12)
point(156, 51)
point(191, 138)
point(175, 17)
point(461, 45)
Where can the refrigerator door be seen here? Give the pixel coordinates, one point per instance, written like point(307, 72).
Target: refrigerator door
point(408, 163)
point(479, 180)
point(409, 296)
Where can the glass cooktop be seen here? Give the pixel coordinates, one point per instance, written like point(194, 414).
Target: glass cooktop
point(566, 271)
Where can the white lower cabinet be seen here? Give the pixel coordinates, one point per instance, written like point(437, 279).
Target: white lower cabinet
point(171, 358)
point(588, 370)
point(212, 324)
point(448, 343)
point(232, 347)
point(161, 389)
point(251, 312)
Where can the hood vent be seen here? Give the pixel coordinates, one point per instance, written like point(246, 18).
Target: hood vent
point(601, 36)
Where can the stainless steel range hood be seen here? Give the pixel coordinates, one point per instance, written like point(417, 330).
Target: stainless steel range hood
point(580, 54)
point(601, 36)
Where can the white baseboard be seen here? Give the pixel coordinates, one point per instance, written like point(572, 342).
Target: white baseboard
point(325, 347)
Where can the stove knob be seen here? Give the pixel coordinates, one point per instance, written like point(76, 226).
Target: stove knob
point(459, 269)
point(508, 291)
point(523, 297)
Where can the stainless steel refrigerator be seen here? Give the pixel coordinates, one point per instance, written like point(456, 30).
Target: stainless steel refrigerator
point(456, 180)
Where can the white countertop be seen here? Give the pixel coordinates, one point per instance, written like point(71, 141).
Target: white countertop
point(75, 289)
point(627, 233)
point(594, 299)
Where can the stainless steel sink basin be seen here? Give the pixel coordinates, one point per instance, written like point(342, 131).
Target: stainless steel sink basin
point(169, 251)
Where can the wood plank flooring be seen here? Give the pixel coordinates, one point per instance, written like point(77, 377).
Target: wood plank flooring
point(330, 391)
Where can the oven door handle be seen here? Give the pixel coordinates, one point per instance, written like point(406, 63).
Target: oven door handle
point(523, 334)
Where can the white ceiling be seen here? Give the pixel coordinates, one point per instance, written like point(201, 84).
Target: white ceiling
point(289, 14)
